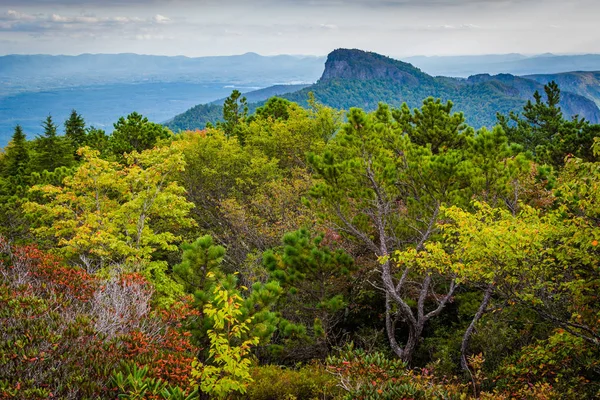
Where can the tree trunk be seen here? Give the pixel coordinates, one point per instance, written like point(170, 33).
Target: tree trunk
point(467, 336)
point(390, 327)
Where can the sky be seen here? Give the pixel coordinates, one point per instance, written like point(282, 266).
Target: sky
point(396, 28)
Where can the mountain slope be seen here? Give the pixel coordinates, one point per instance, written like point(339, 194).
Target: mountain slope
point(197, 116)
point(259, 95)
point(354, 78)
point(583, 83)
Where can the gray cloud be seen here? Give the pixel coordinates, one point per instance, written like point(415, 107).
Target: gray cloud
point(209, 27)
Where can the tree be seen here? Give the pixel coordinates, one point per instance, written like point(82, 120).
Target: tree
point(202, 275)
point(275, 108)
point(379, 188)
point(51, 151)
point(435, 125)
point(109, 214)
point(543, 130)
point(16, 155)
point(316, 283)
point(75, 130)
point(235, 111)
point(97, 139)
point(494, 249)
point(136, 133)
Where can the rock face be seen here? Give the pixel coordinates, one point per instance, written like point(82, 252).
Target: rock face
point(360, 65)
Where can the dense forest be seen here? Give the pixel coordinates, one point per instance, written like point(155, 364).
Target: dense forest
point(300, 252)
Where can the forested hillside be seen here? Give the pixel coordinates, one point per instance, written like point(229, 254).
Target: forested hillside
point(198, 116)
point(303, 252)
point(354, 78)
point(583, 83)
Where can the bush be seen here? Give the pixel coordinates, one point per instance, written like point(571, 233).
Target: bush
point(272, 382)
point(52, 337)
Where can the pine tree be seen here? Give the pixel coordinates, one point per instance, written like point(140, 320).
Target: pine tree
point(52, 151)
point(75, 129)
point(136, 133)
point(16, 157)
point(235, 111)
point(543, 130)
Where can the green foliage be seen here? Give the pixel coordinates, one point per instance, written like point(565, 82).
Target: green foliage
point(563, 361)
point(374, 376)
point(109, 213)
point(316, 283)
point(135, 133)
point(133, 383)
point(201, 274)
point(311, 382)
point(75, 130)
point(545, 132)
point(16, 156)
point(436, 126)
point(235, 111)
point(229, 368)
point(275, 108)
point(51, 151)
point(401, 222)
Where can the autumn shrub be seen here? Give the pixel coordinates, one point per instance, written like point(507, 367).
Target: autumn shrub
point(376, 377)
point(564, 362)
point(272, 382)
point(52, 340)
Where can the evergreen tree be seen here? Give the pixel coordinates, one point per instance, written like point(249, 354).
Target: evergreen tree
point(200, 273)
point(16, 156)
point(235, 111)
point(75, 130)
point(136, 133)
point(97, 139)
point(51, 151)
point(543, 130)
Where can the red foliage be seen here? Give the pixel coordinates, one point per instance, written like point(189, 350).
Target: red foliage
point(64, 339)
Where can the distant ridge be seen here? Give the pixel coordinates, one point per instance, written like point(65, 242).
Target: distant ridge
point(515, 64)
point(27, 73)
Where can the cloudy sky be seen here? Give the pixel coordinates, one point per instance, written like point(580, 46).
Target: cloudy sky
point(220, 27)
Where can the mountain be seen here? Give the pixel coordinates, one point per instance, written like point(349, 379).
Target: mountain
point(515, 64)
point(355, 78)
point(583, 83)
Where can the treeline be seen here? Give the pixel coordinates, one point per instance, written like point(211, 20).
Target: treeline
point(298, 252)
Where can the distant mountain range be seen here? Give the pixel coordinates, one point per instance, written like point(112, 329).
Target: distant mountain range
point(515, 64)
point(19, 73)
point(355, 78)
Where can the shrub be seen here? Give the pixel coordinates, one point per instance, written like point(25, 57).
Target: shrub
point(52, 337)
point(272, 382)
